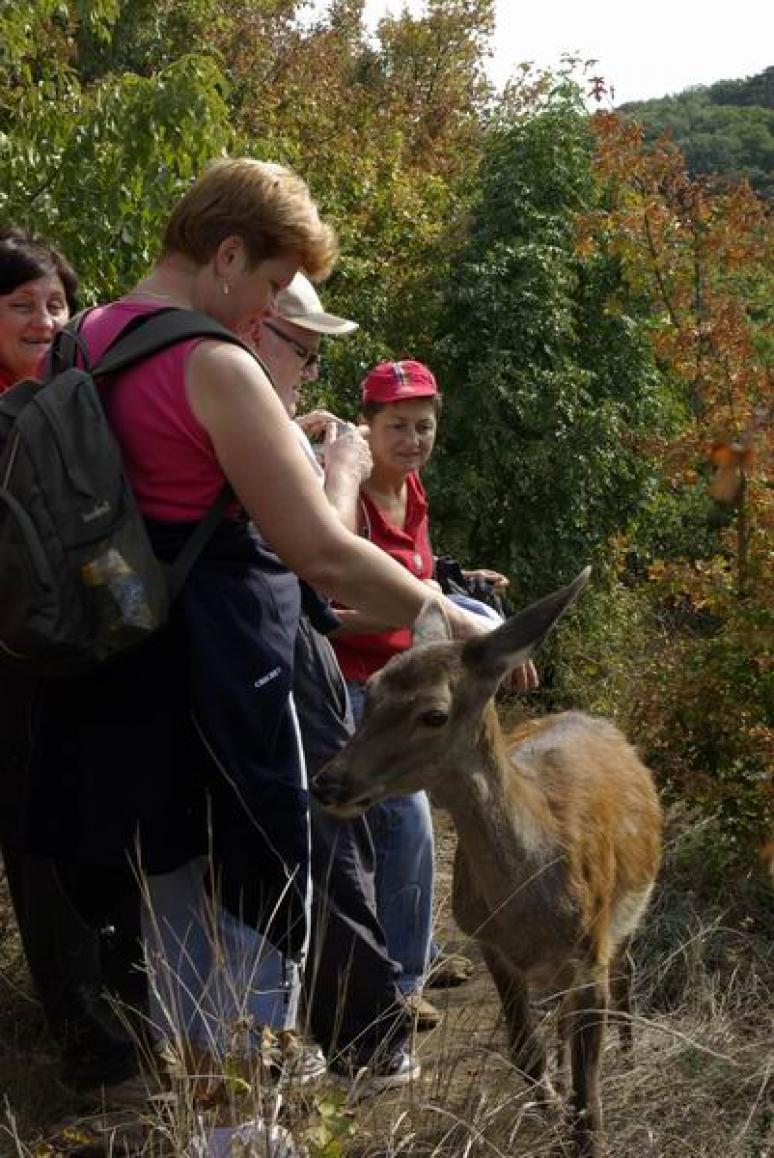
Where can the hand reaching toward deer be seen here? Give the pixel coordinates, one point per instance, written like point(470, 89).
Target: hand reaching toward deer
point(462, 624)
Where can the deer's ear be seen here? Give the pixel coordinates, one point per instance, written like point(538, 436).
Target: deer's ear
point(513, 643)
point(431, 625)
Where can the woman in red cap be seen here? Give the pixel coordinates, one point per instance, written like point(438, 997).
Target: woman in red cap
point(401, 405)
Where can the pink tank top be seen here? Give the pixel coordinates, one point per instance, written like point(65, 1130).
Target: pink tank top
point(168, 456)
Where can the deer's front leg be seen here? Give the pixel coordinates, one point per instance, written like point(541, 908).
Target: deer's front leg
point(526, 1046)
point(586, 1030)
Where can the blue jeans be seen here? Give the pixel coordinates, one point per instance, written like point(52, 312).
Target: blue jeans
point(211, 979)
point(402, 832)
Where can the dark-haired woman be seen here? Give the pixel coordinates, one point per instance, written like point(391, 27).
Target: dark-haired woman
point(57, 912)
point(37, 295)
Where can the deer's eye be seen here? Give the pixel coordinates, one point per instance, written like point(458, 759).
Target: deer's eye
point(435, 718)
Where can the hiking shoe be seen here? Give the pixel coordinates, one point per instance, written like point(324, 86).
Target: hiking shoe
point(131, 1093)
point(298, 1062)
point(399, 1069)
point(273, 1058)
point(447, 970)
point(425, 1015)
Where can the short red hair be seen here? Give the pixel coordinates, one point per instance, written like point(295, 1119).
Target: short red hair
point(266, 205)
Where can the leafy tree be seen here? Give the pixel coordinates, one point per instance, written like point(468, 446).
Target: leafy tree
point(543, 389)
point(143, 36)
point(97, 166)
point(699, 261)
point(141, 95)
point(754, 90)
point(386, 131)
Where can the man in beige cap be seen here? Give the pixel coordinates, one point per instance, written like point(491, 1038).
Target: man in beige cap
point(289, 339)
point(356, 1010)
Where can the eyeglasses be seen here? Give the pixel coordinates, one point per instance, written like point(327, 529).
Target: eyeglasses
point(310, 358)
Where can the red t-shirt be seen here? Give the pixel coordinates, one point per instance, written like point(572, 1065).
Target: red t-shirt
point(360, 656)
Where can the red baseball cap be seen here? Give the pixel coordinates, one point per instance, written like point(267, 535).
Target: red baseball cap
point(395, 381)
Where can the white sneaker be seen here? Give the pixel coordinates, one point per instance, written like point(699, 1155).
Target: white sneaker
point(399, 1069)
point(253, 1137)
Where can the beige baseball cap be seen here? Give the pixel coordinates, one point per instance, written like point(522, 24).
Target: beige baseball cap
point(299, 304)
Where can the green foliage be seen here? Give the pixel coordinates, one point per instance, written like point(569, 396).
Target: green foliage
point(697, 265)
point(98, 166)
point(754, 90)
point(333, 1127)
point(725, 129)
point(679, 522)
point(595, 660)
point(387, 132)
point(706, 716)
point(142, 36)
point(544, 388)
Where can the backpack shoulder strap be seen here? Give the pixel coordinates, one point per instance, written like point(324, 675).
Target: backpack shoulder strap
point(14, 400)
point(158, 331)
point(178, 570)
point(150, 334)
point(364, 529)
point(68, 346)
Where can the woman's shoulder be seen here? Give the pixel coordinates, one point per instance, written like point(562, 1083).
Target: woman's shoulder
point(224, 371)
point(117, 313)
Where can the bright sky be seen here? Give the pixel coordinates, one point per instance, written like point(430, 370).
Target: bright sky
point(644, 50)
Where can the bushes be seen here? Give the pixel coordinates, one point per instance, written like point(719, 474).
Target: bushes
point(706, 718)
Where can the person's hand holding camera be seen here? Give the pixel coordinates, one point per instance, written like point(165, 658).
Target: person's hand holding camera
point(345, 450)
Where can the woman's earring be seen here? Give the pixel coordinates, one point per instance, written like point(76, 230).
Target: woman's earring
point(226, 289)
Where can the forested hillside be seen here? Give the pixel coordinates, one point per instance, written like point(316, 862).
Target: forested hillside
point(724, 129)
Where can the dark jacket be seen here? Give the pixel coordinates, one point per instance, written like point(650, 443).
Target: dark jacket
point(188, 743)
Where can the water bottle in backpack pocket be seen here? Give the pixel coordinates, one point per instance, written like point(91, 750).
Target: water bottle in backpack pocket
point(120, 598)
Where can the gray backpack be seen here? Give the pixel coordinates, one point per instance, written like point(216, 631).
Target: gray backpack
point(79, 581)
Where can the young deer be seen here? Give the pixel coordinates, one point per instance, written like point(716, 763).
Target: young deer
point(558, 832)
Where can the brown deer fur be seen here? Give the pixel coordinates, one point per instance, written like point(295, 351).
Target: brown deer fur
point(558, 835)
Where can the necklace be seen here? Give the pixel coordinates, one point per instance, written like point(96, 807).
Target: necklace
point(143, 293)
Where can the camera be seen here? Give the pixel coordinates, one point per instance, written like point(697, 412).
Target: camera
point(318, 444)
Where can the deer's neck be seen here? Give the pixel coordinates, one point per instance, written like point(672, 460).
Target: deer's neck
point(501, 816)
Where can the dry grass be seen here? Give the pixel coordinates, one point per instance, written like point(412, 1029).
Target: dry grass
point(700, 1082)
